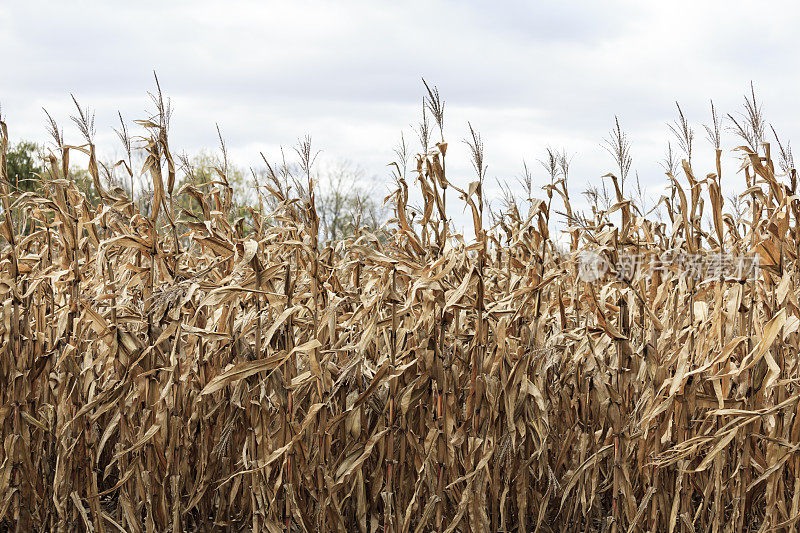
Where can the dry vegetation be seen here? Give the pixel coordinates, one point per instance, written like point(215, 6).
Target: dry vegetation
point(171, 371)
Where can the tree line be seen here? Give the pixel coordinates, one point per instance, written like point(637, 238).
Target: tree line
point(345, 196)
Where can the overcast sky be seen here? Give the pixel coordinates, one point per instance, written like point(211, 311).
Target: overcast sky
point(348, 74)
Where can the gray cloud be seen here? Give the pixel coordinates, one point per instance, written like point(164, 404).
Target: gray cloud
point(348, 73)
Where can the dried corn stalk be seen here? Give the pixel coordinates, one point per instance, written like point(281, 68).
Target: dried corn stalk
point(157, 381)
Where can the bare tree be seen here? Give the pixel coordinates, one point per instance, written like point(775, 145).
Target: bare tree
point(345, 201)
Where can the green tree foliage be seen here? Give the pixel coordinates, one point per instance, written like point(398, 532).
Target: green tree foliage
point(205, 171)
point(84, 183)
point(26, 171)
point(23, 162)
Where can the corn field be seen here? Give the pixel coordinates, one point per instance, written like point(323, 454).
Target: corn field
point(168, 370)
